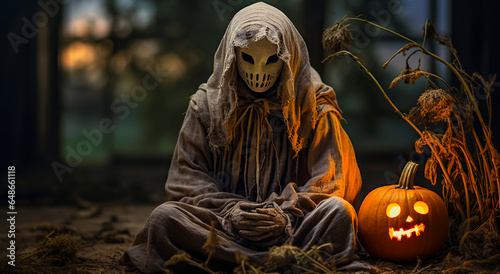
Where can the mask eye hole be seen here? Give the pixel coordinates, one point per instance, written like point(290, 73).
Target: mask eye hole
point(247, 58)
point(272, 59)
point(393, 210)
point(421, 207)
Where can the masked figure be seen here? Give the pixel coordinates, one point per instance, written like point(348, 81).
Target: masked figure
point(261, 153)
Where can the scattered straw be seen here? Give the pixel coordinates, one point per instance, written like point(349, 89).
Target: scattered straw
point(59, 250)
point(56, 254)
point(211, 242)
point(181, 256)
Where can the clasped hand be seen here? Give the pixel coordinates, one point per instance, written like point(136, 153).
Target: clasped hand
point(263, 226)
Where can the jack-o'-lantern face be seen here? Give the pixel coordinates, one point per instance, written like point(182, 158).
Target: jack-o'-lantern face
point(404, 222)
point(394, 210)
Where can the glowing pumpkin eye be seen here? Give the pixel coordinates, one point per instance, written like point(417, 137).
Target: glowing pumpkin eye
point(393, 210)
point(421, 207)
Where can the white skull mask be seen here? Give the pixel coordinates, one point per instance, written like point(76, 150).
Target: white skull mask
point(259, 65)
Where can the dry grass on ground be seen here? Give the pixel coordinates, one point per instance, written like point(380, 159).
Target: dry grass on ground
point(68, 240)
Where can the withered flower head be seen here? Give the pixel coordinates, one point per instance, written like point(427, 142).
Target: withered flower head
point(433, 106)
point(337, 38)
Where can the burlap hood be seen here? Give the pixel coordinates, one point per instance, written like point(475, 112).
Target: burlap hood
point(299, 85)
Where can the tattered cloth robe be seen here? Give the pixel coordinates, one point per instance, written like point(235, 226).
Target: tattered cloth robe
point(284, 147)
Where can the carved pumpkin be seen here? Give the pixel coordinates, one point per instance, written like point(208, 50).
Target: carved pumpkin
point(402, 223)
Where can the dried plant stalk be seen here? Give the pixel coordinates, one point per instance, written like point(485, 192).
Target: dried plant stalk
point(467, 159)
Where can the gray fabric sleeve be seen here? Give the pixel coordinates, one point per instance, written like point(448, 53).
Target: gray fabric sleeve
point(332, 169)
point(189, 178)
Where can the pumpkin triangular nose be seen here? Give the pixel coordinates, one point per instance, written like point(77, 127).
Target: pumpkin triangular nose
point(409, 219)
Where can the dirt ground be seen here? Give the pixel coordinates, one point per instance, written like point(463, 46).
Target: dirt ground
point(105, 231)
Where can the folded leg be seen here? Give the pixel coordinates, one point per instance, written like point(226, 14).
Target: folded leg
point(333, 221)
point(175, 226)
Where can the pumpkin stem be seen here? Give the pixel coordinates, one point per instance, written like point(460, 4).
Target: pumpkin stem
point(408, 175)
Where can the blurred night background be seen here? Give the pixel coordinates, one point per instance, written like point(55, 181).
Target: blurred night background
point(75, 71)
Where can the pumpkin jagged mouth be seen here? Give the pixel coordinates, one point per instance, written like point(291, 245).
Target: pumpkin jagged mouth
point(408, 233)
